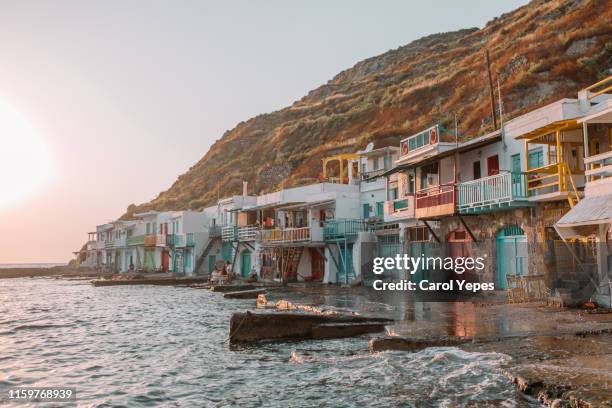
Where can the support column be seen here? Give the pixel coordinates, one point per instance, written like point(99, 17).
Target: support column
point(585, 135)
point(562, 183)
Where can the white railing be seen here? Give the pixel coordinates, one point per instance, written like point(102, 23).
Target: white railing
point(599, 165)
point(500, 188)
point(228, 233)
point(248, 233)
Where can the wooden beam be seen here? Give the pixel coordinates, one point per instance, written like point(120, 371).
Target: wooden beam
point(431, 231)
point(468, 229)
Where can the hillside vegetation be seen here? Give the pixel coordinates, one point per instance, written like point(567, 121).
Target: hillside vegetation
point(541, 52)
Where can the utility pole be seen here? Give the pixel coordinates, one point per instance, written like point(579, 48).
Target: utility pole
point(488, 63)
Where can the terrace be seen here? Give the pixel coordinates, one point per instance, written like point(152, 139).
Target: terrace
point(343, 229)
point(492, 193)
point(436, 201)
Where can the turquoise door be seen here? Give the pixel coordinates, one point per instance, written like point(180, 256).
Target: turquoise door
point(211, 263)
point(366, 211)
point(246, 263)
point(511, 254)
point(418, 250)
point(380, 209)
point(187, 261)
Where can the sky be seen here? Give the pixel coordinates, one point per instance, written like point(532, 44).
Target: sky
point(105, 103)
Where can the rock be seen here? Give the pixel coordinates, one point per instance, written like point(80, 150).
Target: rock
point(231, 288)
point(405, 344)
point(244, 294)
point(339, 330)
point(250, 327)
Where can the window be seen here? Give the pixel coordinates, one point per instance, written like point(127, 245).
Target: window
point(418, 234)
point(412, 143)
point(411, 183)
point(148, 228)
point(380, 209)
point(516, 163)
point(419, 140)
point(476, 170)
point(393, 194)
point(375, 164)
point(536, 158)
point(516, 169)
point(364, 168)
point(387, 161)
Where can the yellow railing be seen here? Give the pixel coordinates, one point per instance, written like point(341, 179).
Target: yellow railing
point(608, 88)
point(550, 176)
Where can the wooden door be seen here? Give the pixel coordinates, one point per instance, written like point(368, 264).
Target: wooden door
point(493, 165)
point(165, 261)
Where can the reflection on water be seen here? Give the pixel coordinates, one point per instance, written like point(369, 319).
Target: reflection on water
point(165, 346)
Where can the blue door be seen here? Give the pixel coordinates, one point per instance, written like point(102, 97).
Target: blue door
point(366, 211)
point(511, 254)
point(246, 263)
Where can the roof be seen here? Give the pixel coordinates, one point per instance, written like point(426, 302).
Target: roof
point(262, 206)
point(379, 151)
point(588, 211)
point(567, 124)
point(600, 113)
point(471, 144)
point(318, 203)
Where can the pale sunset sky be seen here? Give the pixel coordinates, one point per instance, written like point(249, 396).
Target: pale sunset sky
point(105, 103)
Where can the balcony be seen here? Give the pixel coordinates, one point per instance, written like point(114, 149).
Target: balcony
point(343, 229)
point(599, 166)
point(436, 201)
point(229, 234)
point(136, 240)
point(493, 193)
point(115, 243)
point(214, 231)
point(248, 233)
point(551, 183)
point(401, 208)
point(155, 240)
point(181, 240)
point(286, 235)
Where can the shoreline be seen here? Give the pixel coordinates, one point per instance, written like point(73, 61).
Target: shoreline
point(559, 356)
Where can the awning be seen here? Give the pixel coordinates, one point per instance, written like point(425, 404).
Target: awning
point(311, 204)
point(584, 219)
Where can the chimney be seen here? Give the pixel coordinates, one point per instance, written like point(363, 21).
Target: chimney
point(244, 188)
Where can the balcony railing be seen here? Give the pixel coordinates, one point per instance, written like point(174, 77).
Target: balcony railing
point(343, 228)
point(229, 233)
point(599, 166)
point(435, 196)
point(493, 191)
point(155, 240)
point(286, 235)
point(248, 233)
point(115, 243)
point(214, 231)
point(136, 240)
point(181, 240)
point(436, 201)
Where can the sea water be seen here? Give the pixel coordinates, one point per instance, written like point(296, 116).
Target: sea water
point(166, 346)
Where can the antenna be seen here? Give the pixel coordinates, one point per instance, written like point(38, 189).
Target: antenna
point(488, 63)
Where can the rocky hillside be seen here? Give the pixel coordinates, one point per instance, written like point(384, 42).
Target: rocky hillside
point(541, 52)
